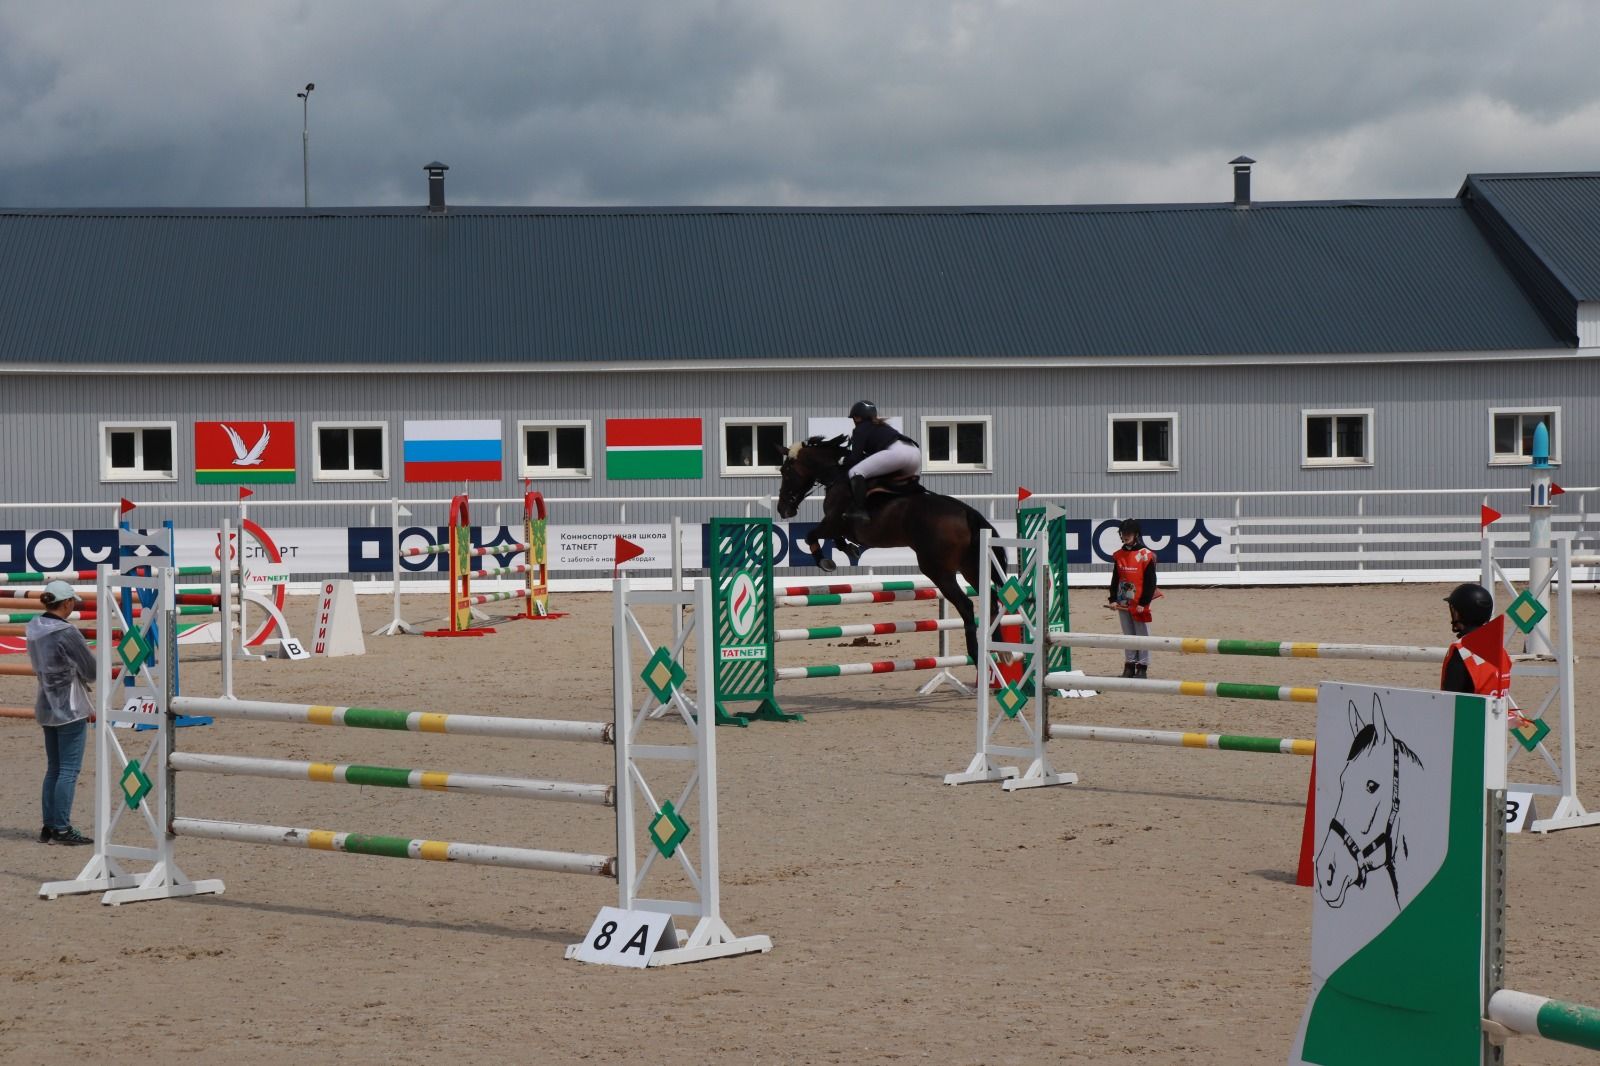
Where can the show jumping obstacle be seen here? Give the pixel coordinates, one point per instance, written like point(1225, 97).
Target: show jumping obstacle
point(987, 766)
point(463, 617)
point(144, 784)
point(1408, 957)
point(740, 570)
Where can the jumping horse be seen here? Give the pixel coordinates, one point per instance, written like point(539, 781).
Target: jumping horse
point(941, 530)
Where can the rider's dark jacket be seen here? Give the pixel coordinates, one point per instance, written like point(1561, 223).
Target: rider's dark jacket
point(870, 438)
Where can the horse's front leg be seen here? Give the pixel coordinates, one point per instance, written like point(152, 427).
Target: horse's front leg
point(824, 530)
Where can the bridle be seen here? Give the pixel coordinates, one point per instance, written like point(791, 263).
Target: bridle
point(791, 470)
point(1362, 856)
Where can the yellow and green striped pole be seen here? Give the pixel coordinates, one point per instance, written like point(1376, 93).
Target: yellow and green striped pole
point(1230, 690)
point(395, 777)
point(474, 725)
point(1292, 649)
point(563, 862)
point(1174, 739)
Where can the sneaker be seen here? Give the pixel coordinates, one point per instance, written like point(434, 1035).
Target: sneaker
point(45, 833)
point(69, 836)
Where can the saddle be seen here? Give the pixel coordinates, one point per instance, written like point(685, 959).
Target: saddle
point(898, 485)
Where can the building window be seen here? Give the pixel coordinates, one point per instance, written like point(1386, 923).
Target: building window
point(352, 451)
point(554, 449)
point(950, 444)
point(1336, 438)
point(1511, 434)
point(137, 451)
point(753, 446)
point(1143, 441)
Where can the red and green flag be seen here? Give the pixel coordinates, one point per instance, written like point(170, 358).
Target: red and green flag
point(240, 453)
point(638, 449)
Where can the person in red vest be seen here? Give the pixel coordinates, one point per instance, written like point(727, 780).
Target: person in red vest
point(1133, 586)
point(1475, 667)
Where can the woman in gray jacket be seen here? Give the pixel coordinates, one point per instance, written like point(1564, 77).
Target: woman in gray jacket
point(65, 665)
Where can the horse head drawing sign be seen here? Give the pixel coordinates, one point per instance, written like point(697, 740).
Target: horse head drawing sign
point(1401, 784)
point(1370, 795)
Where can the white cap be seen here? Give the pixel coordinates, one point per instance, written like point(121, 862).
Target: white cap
point(58, 592)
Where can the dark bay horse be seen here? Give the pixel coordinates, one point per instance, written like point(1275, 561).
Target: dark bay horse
point(941, 530)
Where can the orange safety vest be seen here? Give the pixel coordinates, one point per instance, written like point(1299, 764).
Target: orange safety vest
point(1130, 565)
point(1488, 678)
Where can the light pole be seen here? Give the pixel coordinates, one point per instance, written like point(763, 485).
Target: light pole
point(305, 139)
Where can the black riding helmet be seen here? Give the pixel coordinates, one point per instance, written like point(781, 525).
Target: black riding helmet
point(1472, 603)
point(1129, 525)
point(864, 409)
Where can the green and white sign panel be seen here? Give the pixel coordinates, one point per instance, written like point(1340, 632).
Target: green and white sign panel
point(1398, 956)
point(740, 571)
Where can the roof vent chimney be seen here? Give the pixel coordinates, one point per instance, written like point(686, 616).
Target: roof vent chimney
point(436, 187)
point(1241, 180)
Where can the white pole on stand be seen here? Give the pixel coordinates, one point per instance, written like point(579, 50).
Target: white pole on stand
point(396, 624)
point(225, 557)
point(677, 579)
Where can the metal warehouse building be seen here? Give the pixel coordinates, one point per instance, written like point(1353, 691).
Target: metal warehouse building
point(1294, 347)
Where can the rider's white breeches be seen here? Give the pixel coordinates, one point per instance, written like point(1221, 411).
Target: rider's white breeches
point(897, 458)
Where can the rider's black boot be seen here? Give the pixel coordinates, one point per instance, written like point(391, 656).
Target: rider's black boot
point(858, 502)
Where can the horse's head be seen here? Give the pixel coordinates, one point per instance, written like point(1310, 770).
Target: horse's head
point(1362, 830)
point(804, 465)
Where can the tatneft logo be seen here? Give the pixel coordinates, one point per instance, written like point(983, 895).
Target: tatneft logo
point(752, 651)
point(741, 598)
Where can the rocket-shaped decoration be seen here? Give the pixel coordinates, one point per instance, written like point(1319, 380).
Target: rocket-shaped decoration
point(1540, 495)
point(1539, 514)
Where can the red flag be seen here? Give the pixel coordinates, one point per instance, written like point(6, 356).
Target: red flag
point(626, 549)
point(1487, 515)
point(1023, 494)
point(245, 494)
point(1557, 490)
point(1488, 642)
point(126, 506)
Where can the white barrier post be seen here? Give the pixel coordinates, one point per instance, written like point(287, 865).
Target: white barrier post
point(664, 674)
point(396, 624)
point(1026, 702)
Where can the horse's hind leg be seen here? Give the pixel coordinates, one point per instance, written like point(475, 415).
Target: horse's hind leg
point(948, 583)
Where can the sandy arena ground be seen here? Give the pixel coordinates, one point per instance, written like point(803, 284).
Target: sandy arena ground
point(1147, 915)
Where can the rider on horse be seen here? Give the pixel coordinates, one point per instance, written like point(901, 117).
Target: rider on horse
point(877, 449)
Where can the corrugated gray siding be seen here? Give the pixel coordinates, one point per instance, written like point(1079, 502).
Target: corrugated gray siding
point(1239, 429)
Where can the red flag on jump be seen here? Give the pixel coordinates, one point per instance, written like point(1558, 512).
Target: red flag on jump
point(1556, 490)
point(245, 493)
point(1487, 515)
point(1023, 494)
point(126, 506)
point(626, 549)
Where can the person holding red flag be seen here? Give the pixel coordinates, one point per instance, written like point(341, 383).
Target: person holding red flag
point(1133, 586)
point(1476, 663)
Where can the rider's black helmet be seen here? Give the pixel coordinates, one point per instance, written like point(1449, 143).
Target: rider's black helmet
point(1472, 602)
point(864, 409)
point(1129, 525)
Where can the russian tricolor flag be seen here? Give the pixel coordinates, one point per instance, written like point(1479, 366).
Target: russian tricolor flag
point(453, 450)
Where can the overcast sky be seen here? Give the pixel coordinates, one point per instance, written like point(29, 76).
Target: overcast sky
point(821, 102)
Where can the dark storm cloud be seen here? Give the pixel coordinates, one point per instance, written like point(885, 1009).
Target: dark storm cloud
point(828, 102)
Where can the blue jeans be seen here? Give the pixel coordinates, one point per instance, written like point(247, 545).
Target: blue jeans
point(63, 755)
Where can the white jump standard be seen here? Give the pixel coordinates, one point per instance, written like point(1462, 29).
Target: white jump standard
point(146, 785)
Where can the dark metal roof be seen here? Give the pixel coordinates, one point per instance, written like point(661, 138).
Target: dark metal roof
point(498, 285)
point(1557, 215)
point(1548, 228)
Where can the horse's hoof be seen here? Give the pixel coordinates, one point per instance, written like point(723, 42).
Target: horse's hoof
point(827, 566)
